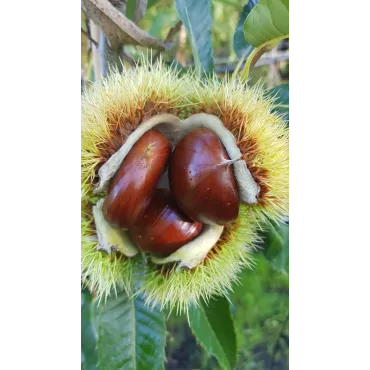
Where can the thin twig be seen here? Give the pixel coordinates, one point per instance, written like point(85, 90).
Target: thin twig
point(91, 43)
point(95, 33)
point(128, 59)
point(169, 38)
point(117, 27)
point(261, 62)
point(172, 32)
point(89, 37)
point(87, 23)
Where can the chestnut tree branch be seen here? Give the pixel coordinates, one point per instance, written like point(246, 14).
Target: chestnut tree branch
point(117, 27)
point(87, 34)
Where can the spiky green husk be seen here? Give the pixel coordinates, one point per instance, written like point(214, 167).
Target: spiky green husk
point(110, 111)
point(102, 273)
point(177, 289)
point(113, 109)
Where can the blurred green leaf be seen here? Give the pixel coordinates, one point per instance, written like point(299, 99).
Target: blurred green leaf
point(130, 334)
point(157, 24)
point(130, 9)
point(281, 95)
point(177, 67)
point(281, 92)
point(276, 247)
point(261, 302)
point(131, 4)
point(196, 17)
point(241, 46)
point(233, 3)
point(89, 354)
point(213, 327)
point(265, 26)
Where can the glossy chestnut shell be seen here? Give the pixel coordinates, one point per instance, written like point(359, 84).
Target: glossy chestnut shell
point(202, 179)
point(130, 192)
point(164, 228)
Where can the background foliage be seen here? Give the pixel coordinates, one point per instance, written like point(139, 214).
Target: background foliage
point(250, 331)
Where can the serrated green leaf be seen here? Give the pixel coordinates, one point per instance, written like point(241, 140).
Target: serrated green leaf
point(130, 334)
point(213, 326)
point(89, 354)
point(241, 47)
point(196, 17)
point(276, 247)
point(281, 95)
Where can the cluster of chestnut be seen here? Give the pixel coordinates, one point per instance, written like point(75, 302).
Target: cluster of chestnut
point(202, 190)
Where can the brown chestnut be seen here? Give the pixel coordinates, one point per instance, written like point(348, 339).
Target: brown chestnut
point(130, 192)
point(202, 179)
point(164, 228)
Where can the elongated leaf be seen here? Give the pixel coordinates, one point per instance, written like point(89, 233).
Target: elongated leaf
point(131, 335)
point(213, 327)
point(89, 354)
point(265, 26)
point(281, 94)
point(241, 47)
point(196, 17)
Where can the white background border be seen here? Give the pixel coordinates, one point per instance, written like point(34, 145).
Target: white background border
point(40, 185)
point(329, 185)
